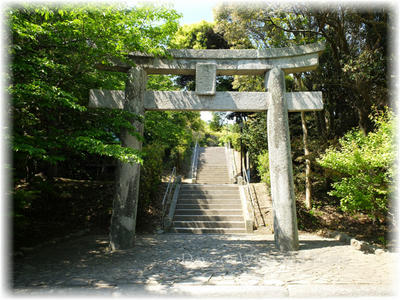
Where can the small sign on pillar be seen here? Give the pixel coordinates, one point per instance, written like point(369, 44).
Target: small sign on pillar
point(206, 74)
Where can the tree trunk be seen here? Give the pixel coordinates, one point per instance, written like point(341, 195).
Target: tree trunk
point(321, 125)
point(307, 160)
point(306, 151)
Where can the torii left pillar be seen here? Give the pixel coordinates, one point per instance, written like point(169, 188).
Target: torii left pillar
point(123, 220)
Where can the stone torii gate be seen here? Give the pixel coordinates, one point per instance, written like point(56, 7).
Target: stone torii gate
point(206, 65)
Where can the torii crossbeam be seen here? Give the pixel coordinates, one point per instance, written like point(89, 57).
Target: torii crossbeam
point(206, 65)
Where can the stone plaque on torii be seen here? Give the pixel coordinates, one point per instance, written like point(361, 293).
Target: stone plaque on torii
point(206, 65)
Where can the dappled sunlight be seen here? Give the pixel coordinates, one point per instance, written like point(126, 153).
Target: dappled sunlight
point(170, 259)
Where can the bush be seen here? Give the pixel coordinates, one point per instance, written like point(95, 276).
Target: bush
point(363, 168)
point(150, 175)
point(230, 133)
point(263, 167)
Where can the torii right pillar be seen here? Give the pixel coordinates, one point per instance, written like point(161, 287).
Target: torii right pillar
point(280, 164)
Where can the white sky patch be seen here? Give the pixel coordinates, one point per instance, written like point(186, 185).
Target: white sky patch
point(206, 116)
point(195, 11)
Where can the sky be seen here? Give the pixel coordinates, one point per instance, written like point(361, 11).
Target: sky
point(195, 11)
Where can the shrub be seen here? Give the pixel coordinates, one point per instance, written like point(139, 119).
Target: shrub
point(363, 168)
point(150, 175)
point(263, 167)
point(230, 133)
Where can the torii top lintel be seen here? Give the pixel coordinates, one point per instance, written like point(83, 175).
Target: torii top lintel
point(233, 61)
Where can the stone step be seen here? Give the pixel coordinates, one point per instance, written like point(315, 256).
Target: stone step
point(208, 206)
point(208, 212)
point(208, 230)
point(208, 218)
point(210, 201)
point(212, 205)
point(212, 172)
point(212, 169)
point(218, 163)
point(213, 152)
point(208, 187)
point(208, 168)
point(210, 192)
point(222, 177)
point(193, 196)
point(211, 181)
point(212, 159)
point(208, 224)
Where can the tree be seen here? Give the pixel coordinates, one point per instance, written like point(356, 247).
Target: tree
point(363, 168)
point(216, 122)
point(54, 53)
point(200, 36)
point(351, 74)
point(353, 67)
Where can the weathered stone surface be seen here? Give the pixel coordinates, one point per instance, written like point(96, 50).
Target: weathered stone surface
point(229, 101)
point(107, 99)
point(240, 54)
point(205, 78)
point(248, 218)
point(221, 101)
point(304, 101)
point(280, 163)
point(234, 62)
point(123, 220)
point(254, 66)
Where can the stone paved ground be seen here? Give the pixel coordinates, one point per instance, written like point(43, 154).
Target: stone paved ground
point(185, 264)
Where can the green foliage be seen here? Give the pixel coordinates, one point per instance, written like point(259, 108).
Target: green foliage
point(263, 167)
point(231, 133)
point(353, 68)
point(55, 54)
point(150, 177)
point(363, 167)
point(255, 135)
point(198, 36)
point(216, 122)
point(168, 140)
point(175, 130)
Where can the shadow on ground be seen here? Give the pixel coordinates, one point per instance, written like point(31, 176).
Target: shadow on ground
point(156, 259)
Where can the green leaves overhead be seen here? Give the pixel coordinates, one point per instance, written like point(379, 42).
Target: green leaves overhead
point(54, 52)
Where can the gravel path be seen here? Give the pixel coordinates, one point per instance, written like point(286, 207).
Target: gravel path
point(159, 264)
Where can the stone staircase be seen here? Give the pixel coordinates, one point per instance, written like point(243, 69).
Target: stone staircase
point(212, 167)
point(212, 205)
